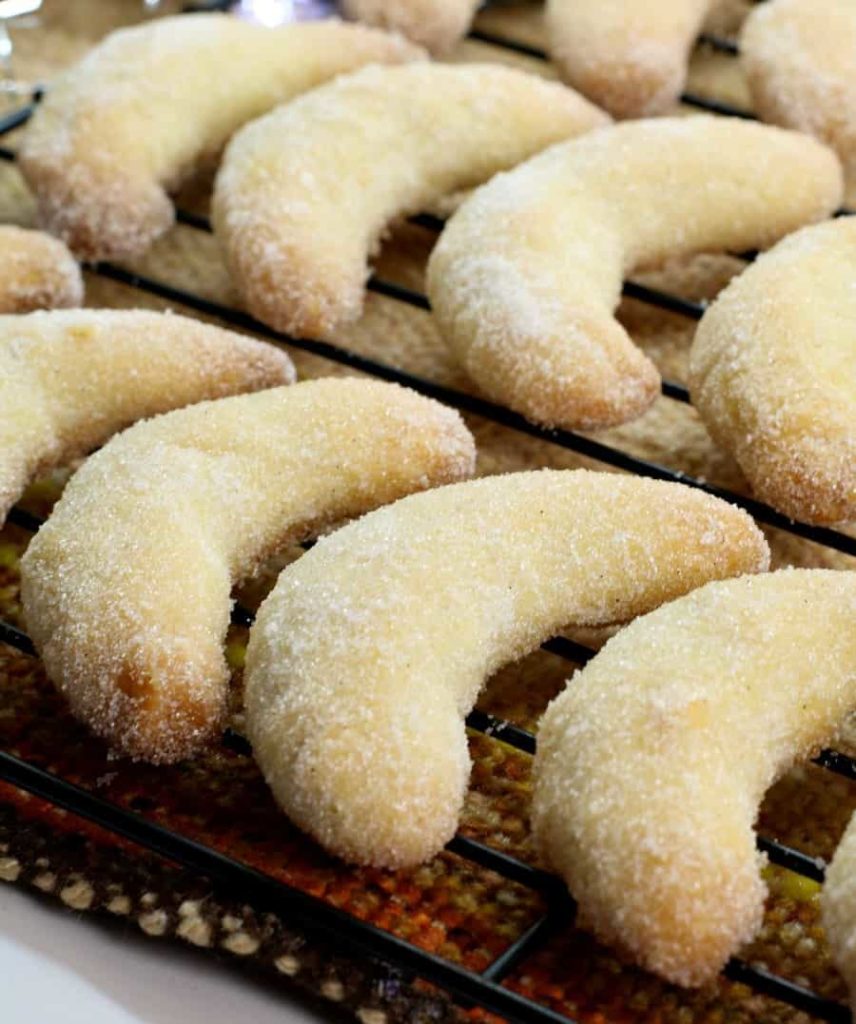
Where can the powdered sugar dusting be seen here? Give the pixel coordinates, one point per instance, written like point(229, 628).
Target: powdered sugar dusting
point(305, 194)
point(628, 56)
point(137, 114)
point(527, 273)
point(771, 372)
point(799, 56)
point(69, 380)
point(652, 764)
point(126, 588)
point(36, 272)
point(436, 24)
point(374, 645)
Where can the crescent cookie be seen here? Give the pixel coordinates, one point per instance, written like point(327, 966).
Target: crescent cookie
point(435, 24)
point(838, 907)
point(798, 57)
point(71, 379)
point(305, 194)
point(36, 272)
point(126, 587)
point(371, 649)
point(527, 274)
point(770, 373)
point(630, 57)
point(652, 764)
point(138, 114)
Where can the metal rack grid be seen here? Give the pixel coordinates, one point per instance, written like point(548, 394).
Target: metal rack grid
point(312, 914)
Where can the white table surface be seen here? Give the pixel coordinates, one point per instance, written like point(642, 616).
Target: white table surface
point(57, 966)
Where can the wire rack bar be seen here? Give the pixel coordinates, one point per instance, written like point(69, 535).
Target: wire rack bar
point(841, 764)
point(14, 637)
point(719, 43)
point(9, 122)
point(569, 649)
point(787, 857)
point(769, 984)
point(523, 947)
point(512, 868)
point(25, 520)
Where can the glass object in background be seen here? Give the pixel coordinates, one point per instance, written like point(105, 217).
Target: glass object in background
point(24, 14)
point(278, 12)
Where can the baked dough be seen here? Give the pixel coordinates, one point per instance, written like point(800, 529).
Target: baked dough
point(435, 24)
point(799, 57)
point(526, 275)
point(629, 56)
point(71, 379)
point(838, 907)
point(126, 587)
point(371, 649)
point(305, 194)
point(651, 765)
point(771, 373)
point(36, 272)
point(145, 107)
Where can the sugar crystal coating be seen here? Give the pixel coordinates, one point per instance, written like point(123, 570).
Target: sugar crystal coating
point(628, 56)
point(371, 649)
point(651, 765)
point(305, 194)
point(526, 275)
point(798, 57)
point(71, 379)
point(771, 372)
point(139, 113)
point(435, 24)
point(126, 587)
point(36, 272)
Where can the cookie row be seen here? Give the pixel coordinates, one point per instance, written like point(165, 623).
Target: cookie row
point(126, 588)
point(631, 58)
point(192, 500)
point(526, 276)
point(376, 643)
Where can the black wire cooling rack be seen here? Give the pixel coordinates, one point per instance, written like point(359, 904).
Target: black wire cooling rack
point(311, 914)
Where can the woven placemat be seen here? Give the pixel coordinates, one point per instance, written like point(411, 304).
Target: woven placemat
point(450, 906)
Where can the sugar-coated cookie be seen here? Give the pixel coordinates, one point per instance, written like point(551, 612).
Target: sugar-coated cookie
point(71, 379)
point(770, 372)
point(435, 24)
point(36, 272)
point(527, 274)
point(124, 127)
point(629, 56)
point(652, 764)
point(799, 57)
point(306, 193)
point(126, 587)
point(372, 647)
